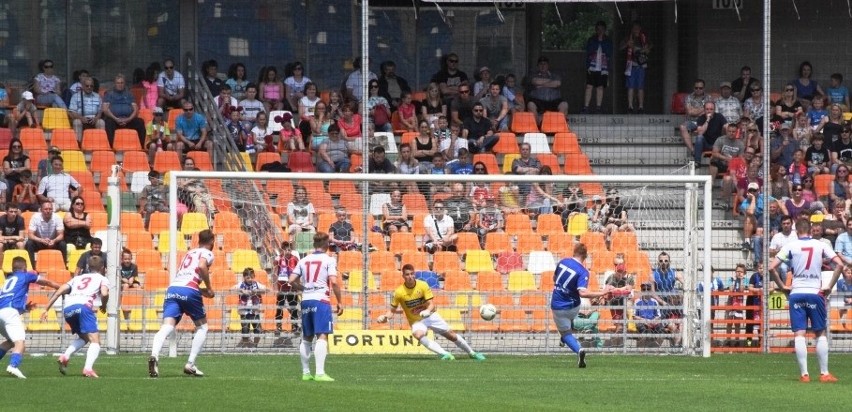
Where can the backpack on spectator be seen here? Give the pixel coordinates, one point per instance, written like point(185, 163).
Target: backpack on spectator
point(381, 116)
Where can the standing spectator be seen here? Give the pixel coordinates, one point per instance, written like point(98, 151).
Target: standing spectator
point(440, 230)
point(742, 85)
point(210, 68)
point(478, 131)
point(46, 232)
point(286, 297)
point(120, 111)
point(149, 86)
point(237, 80)
point(85, 109)
point(806, 88)
point(301, 215)
point(598, 60)
point(461, 106)
point(191, 131)
point(621, 284)
point(78, 224)
point(48, 86)
point(171, 86)
point(315, 274)
point(785, 236)
point(754, 287)
point(460, 209)
point(545, 95)
point(728, 105)
point(128, 273)
point(354, 86)
point(272, 92)
point(12, 234)
point(736, 285)
point(154, 197)
point(837, 93)
point(450, 78)
point(490, 219)
point(58, 187)
point(637, 48)
point(83, 262)
point(157, 135)
point(295, 83)
point(333, 154)
point(251, 298)
point(394, 214)
point(14, 164)
point(496, 108)
point(391, 86)
point(844, 289)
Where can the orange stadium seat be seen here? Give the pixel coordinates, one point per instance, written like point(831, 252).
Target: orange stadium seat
point(497, 242)
point(93, 200)
point(64, 139)
point(415, 203)
point(85, 179)
point(445, 261)
point(566, 143)
point(593, 240)
point(301, 162)
point(401, 242)
point(508, 143)
point(518, 223)
point(202, 160)
point(577, 164)
point(489, 281)
point(524, 122)
point(147, 115)
point(138, 239)
point(102, 162)
point(546, 281)
point(417, 259)
point(490, 162)
point(467, 241)
point(382, 261)
point(561, 244)
point(528, 242)
point(126, 140)
point(166, 161)
point(135, 161)
point(547, 224)
point(95, 139)
point(234, 239)
point(173, 115)
point(457, 280)
point(549, 159)
point(623, 242)
point(32, 139)
point(553, 122)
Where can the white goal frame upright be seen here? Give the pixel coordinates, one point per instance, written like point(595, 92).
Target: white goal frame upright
point(690, 241)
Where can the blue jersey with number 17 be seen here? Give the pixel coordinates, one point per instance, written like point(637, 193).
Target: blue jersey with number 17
point(569, 278)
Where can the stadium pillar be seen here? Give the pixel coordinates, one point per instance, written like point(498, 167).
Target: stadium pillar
point(113, 250)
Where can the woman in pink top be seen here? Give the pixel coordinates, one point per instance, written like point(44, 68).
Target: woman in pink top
point(149, 83)
point(272, 91)
point(350, 123)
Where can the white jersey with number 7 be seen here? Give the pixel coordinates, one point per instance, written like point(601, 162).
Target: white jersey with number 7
point(187, 271)
point(805, 257)
point(314, 271)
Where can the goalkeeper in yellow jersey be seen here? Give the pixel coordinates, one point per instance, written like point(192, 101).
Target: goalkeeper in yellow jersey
point(414, 298)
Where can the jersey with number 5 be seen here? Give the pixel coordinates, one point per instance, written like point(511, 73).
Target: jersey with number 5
point(805, 257)
point(569, 278)
point(187, 271)
point(86, 289)
point(313, 272)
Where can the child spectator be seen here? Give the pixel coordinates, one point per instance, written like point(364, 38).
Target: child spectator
point(285, 263)
point(129, 274)
point(262, 134)
point(798, 169)
point(236, 129)
point(290, 138)
point(513, 95)
point(341, 234)
point(817, 115)
point(462, 165)
point(837, 93)
point(251, 106)
point(24, 193)
point(490, 219)
point(26, 112)
point(251, 298)
point(817, 156)
point(737, 284)
point(157, 135)
point(407, 112)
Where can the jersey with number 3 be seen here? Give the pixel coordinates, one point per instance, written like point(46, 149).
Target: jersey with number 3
point(187, 272)
point(86, 289)
point(805, 257)
point(314, 271)
point(569, 278)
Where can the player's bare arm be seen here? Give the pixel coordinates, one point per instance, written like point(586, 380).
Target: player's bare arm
point(104, 298)
point(204, 274)
point(61, 290)
point(335, 287)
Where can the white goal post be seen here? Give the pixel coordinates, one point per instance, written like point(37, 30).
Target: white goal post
point(246, 191)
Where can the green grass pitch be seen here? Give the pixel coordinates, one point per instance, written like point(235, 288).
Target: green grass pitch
point(387, 383)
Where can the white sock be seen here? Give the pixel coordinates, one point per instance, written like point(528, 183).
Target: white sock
point(197, 343)
point(432, 345)
point(822, 354)
point(320, 352)
point(802, 354)
point(305, 355)
point(92, 355)
point(160, 339)
point(463, 345)
point(74, 347)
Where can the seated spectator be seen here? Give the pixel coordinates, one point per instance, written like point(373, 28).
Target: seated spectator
point(597, 214)
point(449, 139)
point(378, 163)
point(437, 167)
point(808, 191)
point(341, 234)
point(616, 216)
point(817, 156)
point(406, 164)
point(272, 92)
point(78, 224)
point(797, 203)
point(727, 105)
point(379, 109)
point(12, 233)
point(85, 109)
point(260, 136)
point(210, 68)
point(251, 106)
point(783, 145)
point(816, 114)
point(478, 132)
point(391, 86)
point(479, 190)
point(510, 198)
point(496, 108)
point(573, 202)
point(483, 80)
point(834, 125)
point(301, 215)
point(462, 165)
point(191, 131)
point(251, 301)
point(841, 149)
point(545, 95)
point(394, 214)
point(157, 135)
point(801, 129)
point(725, 149)
point(839, 189)
point(587, 319)
point(26, 113)
point(844, 289)
point(647, 316)
point(154, 197)
point(450, 79)
point(407, 112)
point(45, 231)
point(425, 145)
point(121, 112)
point(24, 193)
point(236, 128)
point(461, 209)
point(308, 109)
point(707, 128)
point(83, 262)
point(48, 86)
point(440, 230)
point(541, 198)
point(171, 86)
point(295, 83)
point(432, 107)
point(350, 123)
point(58, 187)
point(225, 102)
point(354, 86)
point(837, 93)
point(512, 94)
point(490, 219)
point(525, 165)
point(290, 138)
point(333, 154)
point(461, 106)
point(15, 163)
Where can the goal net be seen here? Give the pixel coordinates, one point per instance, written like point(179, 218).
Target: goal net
point(509, 233)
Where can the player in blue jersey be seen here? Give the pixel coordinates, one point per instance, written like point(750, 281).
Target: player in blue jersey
point(85, 293)
point(571, 282)
point(807, 295)
point(13, 302)
point(184, 297)
point(315, 274)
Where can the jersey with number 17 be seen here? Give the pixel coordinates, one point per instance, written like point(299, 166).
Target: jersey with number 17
point(187, 271)
point(314, 271)
point(805, 256)
point(569, 278)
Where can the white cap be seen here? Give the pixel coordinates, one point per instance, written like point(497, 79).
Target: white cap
point(27, 95)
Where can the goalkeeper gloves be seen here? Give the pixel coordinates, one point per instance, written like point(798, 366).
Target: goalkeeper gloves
point(382, 319)
point(425, 314)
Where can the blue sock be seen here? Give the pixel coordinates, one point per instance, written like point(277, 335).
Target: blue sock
point(572, 343)
point(15, 360)
point(2, 353)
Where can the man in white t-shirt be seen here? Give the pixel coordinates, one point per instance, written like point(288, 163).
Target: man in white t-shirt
point(440, 230)
point(171, 86)
point(46, 231)
point(58, 187)
point(779, 240)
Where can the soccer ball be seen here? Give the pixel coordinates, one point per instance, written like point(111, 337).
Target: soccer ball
point(487, 311)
